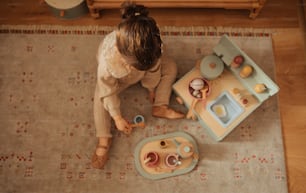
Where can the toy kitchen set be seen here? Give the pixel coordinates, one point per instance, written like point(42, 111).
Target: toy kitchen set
point(223, 89)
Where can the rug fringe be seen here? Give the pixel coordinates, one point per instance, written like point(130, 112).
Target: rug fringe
point(165, 30)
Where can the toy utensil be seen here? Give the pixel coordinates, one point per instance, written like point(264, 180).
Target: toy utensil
point(190, 114)
point(141, 124)
point(139, 121)
point(204, 92)
point(147, 160)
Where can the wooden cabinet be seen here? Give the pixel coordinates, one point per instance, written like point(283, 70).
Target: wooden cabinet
point(253, 5)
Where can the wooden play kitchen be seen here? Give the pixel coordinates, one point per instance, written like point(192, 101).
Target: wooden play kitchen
point(236, 87)
point(255, 6)
point(166, 155)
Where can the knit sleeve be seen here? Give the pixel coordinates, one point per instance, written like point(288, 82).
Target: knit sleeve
point(107, 83)
point(107, 88)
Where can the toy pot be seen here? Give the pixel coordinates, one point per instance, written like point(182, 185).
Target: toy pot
point(184, 149)
point(151, 159)
point(172, 160)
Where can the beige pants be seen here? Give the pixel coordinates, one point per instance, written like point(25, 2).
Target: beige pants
point(162, 95)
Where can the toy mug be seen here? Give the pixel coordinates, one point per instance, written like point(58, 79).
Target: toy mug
point(151, 159)
point(172, 160)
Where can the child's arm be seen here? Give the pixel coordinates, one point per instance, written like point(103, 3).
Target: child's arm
point(122, 124)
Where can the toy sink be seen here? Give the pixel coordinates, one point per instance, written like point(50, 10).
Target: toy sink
point(225, 109)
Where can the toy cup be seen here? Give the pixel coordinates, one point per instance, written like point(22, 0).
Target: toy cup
point(163, 144)
point(151, 159)
point(172, 160)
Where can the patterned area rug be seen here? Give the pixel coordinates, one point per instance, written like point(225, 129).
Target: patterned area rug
point(47, 79)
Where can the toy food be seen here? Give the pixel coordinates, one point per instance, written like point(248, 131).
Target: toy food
point(246, 71)
point(238, 60)
point(245, 101)
point(197, 84)
point(219, 110)
point(259, 88)
point(212, 65)
point(236, 91)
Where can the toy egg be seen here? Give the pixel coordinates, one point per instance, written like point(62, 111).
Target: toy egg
point(246, 71)
point(197, 84)
point(219, 110)
point(259, 88)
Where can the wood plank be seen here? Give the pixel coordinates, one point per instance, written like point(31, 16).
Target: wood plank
point(275, 14)
point(289, 50)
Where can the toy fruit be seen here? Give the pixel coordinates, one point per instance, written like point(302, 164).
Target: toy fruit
point(238, 60)
point(259, 88)
point(245, 101)
point(246, 71)
point(236, 90)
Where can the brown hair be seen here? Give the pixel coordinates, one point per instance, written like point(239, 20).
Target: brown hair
point(138, 36)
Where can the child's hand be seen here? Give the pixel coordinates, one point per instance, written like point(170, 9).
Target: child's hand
point(123, 125)
point(151, 96)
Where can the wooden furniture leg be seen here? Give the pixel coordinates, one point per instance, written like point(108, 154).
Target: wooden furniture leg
point(95, 13)
point(254, 12)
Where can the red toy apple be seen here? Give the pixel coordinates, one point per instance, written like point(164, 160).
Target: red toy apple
point(238, 60)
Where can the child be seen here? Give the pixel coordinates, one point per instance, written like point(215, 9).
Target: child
point(131, 53)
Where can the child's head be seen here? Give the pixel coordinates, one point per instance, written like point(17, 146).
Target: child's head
point(138, 36)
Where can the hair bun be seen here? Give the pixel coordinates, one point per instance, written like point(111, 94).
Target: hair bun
point(130, 10)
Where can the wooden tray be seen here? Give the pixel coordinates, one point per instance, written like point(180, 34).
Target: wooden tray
point(161, 170)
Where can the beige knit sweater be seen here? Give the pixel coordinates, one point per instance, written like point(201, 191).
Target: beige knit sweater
point(114, 74)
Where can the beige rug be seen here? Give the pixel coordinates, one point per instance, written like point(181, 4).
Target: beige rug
point(47, 79)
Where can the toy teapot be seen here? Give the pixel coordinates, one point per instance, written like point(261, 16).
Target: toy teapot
point(184, 149)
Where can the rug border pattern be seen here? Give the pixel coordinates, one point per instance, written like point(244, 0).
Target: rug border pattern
point(196, 31)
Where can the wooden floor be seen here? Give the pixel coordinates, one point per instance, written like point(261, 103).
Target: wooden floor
point(285, 16)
